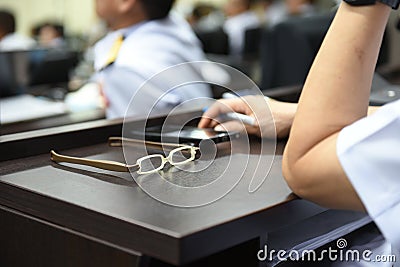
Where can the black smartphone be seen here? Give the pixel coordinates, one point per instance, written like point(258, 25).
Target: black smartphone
point(187, 134)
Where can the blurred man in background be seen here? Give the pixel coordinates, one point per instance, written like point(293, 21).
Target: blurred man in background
point(144, 39)
point(239, 19)
point(9, 39)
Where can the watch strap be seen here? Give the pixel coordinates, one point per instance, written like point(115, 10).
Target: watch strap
point(360, 2)
point(392, 3)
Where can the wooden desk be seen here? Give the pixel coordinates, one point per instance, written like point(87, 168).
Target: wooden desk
point(53, 215)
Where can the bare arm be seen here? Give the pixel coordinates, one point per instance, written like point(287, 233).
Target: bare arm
point(335, 95)
point(282, 116)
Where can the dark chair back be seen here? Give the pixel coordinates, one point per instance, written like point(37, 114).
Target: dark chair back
point(53, 67)
point(214, 42)
point(252, 42)
point(288, 49)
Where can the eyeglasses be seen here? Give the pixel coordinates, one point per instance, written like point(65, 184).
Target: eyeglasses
point(181, 154)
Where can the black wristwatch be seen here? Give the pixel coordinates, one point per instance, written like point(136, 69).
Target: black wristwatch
point(392, 3)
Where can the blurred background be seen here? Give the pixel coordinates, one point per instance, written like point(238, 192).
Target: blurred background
point(79, 18)
point(275, 51)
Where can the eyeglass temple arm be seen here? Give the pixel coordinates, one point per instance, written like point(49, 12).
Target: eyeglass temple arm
point(101, 164)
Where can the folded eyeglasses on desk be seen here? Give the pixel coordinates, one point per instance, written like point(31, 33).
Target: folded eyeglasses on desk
point(179, 154)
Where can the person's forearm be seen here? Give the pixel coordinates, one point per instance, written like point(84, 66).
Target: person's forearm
point(337, 88)
point(335, 95)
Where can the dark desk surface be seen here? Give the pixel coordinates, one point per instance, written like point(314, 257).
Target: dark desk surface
point(53, 121)
point(112, 208)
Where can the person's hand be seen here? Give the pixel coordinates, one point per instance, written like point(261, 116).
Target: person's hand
point(271, 122)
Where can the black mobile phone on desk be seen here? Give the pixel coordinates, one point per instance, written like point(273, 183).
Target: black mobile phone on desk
point(184, 135)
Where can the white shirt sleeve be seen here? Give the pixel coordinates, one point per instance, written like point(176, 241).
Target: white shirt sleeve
point(148, 50)
point(369, 152)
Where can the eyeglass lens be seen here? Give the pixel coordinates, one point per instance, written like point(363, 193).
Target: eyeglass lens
point(151, 163)
point(181, 156)
point(156, 162)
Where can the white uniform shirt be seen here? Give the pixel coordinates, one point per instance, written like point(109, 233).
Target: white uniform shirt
point(15, 41)
point(236, 26)
point(148, 48)
point(369, 152)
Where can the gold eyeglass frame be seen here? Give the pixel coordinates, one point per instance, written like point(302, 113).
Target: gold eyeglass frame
point(121, 167)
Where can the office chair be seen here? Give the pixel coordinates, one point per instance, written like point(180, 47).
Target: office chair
point(288, 49)
point(14, 72)
point(214, 41)
point(7, 78)
point(252, 43)
point(52, 67)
